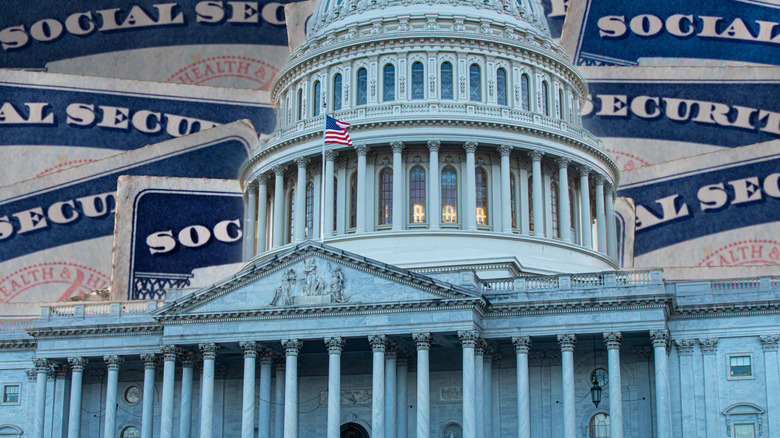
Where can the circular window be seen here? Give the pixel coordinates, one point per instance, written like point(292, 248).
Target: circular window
point(130, 432)
point(132, 395)
point(599, 377)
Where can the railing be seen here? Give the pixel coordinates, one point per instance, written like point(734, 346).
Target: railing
point(735, 285)
point(587, 280)
point(541, 283)
point(633, 278)
point(574, 281)
point(72, 310)
point(17, 325)
point(498, 285)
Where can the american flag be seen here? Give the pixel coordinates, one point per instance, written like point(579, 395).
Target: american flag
point(336, 132)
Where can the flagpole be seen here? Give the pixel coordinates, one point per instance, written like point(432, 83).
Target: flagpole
point(322, 172)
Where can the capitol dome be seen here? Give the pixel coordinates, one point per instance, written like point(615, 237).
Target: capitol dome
point(468, 149)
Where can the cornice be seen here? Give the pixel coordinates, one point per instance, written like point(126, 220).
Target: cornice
point(580, 305)
point(17, 344)
point(97, 330)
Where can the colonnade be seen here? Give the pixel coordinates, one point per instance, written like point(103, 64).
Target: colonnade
point(509, 196)
point(389, 399)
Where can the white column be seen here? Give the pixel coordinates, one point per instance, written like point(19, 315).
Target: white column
point(378, 345)
point(564, 221)
point(281, 374)
point(398, 185)
point(468, 339)
point(390, 392)
point(278, 206)
point(601, 224)
point(330, 156)
point(487, 384)
point(60, 401)
point(251, 220)
point(506, 192)
point(42, 367)
point(434, 198)
point(402, 398)
point(362, 152)
point(185, 408)
point(611, 222)
point(77, 365)
point(772, 382)
point(470, 220)
point(423, 342)
point(709, 348)
point(209, 351)
point(112, 362)
point(567, 370)
point(688, 405)
point(335, 345)
point(613, 340)
point(522, 345)
point(262, 213)
point(147, 413)
point(585, 206)
point(291, 349)
point(479, 393)
point(523, 210)
point(248, 398)
point(264, 416)
point(170, 352)
point(300, 200)
point(663, 413)
point(536, 190)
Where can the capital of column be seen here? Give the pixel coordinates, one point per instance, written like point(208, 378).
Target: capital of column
point(77, 364)
point(613, 340)
point(170, 352)
point(536, 155)
point(279, 169)
point(468, 338)
point(522, 344)
point(685, 346)
point(563, 162)
point(422, 340)
point(599, 179)
point(60, 370)
point(113, 361)
point(378, 343)
point(434, 145)
point(149, 360)
point(504, 150)
point(584, 171)
point(470, 147)
point(480, 346)
point(330, 155)
point(266, 356)
point(41, 365)
point(291, 346)
point(769, 342)
point(261, 179)
point(251, 187)
point(391, 352)
point(301, 162)
point(361, 150)
point(188, 359)
point(708, 345)
point(249, 347)
point(209, 350)
point(335, 344)
point(567, 341)
point(660, 338)
point(31, 374)
point(397, 146)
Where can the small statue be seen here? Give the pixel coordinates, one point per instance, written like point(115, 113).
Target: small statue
point(337, 285)
point(311, 285)
point(283, 293)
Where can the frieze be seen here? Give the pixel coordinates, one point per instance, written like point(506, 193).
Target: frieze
point(310, 287)
point(450, 394)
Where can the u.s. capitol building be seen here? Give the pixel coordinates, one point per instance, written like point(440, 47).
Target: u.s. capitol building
point(451, 274)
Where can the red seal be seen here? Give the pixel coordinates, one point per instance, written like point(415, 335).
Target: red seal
point(628, 161)
point(60, 280)
point(745, 253)
point(210, 69)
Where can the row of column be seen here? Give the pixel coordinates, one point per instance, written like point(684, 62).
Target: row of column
point(257, 199)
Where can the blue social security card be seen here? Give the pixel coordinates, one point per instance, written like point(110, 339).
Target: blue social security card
point(49, 122)
point(240, 44)
point(716, 209)
point(56, 230)
point(686, 32)
point(174, 233)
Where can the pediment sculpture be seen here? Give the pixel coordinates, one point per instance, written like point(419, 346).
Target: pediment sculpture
point(310, 288)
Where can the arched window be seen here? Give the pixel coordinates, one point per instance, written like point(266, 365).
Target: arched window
point(482, 196)
point(417, 195)
point(291, 215)
point(599, 426)
point(353, 200)
point(561, 111)
point(418, 81)
point(530, 204)
point(546, 98)
point(501, 86)
point(316, 99)
point(446, 81)
point(512, 198)
point(362, 86)
point(300, 104)
point(337, 92)
point(309, 210)
point(554, 209)
point(525, 90)
point(449, 195)
point(475, 83)
point(388, 83)
point(386, 196)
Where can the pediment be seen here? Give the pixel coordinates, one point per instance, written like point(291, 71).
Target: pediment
point(313, 276)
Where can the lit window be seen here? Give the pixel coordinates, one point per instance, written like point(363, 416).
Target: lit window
point(291, 212)
point(501, 86)
point(449, 195)
point(512, 197)
point(546, 98)
point(739, 366)
point(353, 201)
point(446, 81)
point(300, 104)
point(482, 196)
point(417, 194)
point(388, 82)
point(337, 92)
point(316, 99)
point(746, 430)
point(418, 81)
point(362, 82)
point(599, 426)
point(386, 196)
point(524, 89)
point(11, 393)
point(309, 209)
point(475, 83)
point(554, 209)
